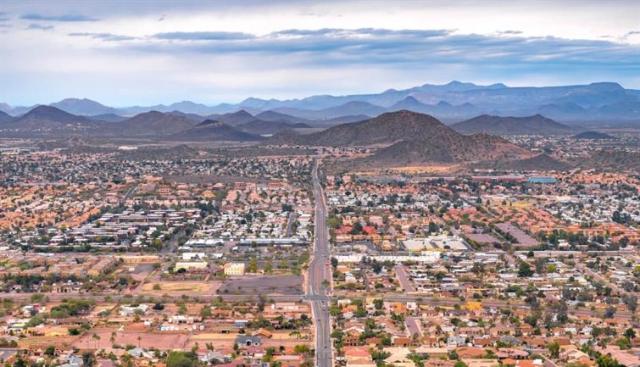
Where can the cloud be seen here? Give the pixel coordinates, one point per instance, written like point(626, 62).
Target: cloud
point(631, 34)
point(40, 27)
point(102, 36)
point(4, 17)
point(333, 46)
point(510, 32)
point(58, 18)
point(203, 36)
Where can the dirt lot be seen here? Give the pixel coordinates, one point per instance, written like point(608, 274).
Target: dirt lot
point(104, 339)
point(189, 288)
point(287, 284)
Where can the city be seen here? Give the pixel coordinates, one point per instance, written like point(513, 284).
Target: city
point(323, 206)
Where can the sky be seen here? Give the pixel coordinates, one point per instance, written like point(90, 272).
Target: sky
point(124, 53)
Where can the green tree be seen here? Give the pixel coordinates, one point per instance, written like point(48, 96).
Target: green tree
point(607, 361)
point(524, 270)
point(554, 350)
point(182, 359)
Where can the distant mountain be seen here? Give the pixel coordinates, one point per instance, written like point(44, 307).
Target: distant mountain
point(191, 116)
point(595, 103)
point(275, 122)
point(152, 124)
point(277, 116)
point(5, 108)
point(496, 125)
point(347, 109)
point(211, 130)
point(411, 104)
point(262, 127)
point(234, 118)
point(442, 109)
point(593, 135)
point(184, 106)
point(108, 117)
point(351, 108)
point(5, 117)
point(44, 120)
point(84, 107)
point(591, 102)
point(340, 120)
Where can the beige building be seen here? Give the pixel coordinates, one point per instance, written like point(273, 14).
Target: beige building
point(233, 269)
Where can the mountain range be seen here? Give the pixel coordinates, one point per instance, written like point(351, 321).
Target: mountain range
point(49, 121)
point(603, 102)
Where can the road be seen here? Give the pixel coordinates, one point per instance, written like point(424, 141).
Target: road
point(403, 278)
point(319, 275)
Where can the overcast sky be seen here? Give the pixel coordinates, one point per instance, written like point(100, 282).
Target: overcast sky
point(124, 53)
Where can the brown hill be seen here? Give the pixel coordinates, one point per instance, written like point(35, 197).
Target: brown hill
point(151, 124)
point(497, 125)
point(385, 129)
point(448, 148)
point(47, 120)
point(410, 138)
point(210, 130)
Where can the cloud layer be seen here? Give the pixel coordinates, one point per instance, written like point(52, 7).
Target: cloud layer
point(159, 52)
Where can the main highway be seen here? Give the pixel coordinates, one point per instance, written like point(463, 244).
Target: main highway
point(319, 276)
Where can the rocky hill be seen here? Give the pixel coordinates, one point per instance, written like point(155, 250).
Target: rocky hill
point(406, 137)
point(211, 130)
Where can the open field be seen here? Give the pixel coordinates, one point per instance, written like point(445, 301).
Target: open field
point(289, 284)
point(107, 337)
point(186, 287)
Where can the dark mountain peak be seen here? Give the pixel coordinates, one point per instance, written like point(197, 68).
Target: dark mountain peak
point(43, 109)
point(149, 114)
point(497, 86)
point(278, 116)
point(457, 83)
point(404, 117)
point(410, 103)
point(357, 104)
point(82, 106)
point(444, 104)
point(5, 117)
point(537, 118)
point(50, 113)
point(214, 130)
point(240, 113)
point(210, 122)
point(155, 123)
point(68, 100)
point(411, 99)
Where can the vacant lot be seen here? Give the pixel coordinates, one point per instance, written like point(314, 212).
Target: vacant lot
point(288, 284)
point(105, 338)
point(179, 288)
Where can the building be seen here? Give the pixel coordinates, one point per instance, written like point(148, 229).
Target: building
point(234, 269)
